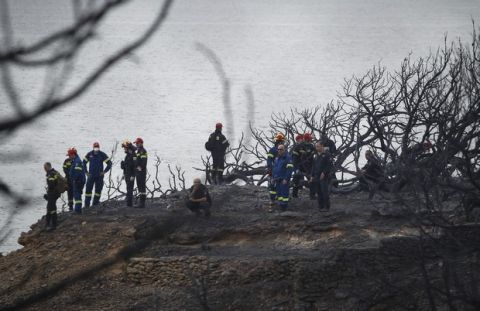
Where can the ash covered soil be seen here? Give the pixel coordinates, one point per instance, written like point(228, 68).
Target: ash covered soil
point(241, 258)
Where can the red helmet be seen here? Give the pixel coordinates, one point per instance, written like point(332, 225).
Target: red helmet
point(71, 151)
point(218, 125)
point(299, 137)
point(138, 141)
point(96, 145)
point(307, 137)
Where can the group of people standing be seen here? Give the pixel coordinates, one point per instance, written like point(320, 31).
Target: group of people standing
point(89, 174)
point(307, 164)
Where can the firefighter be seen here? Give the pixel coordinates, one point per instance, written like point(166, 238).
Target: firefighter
point(307, 161)
point(128, 167)
point(67, 164)
point(141, 171)
point(77, 176)
point(51, 196)
point(281, 173)
point(320, 176)
point(95, 173)
point(271, 155)
point(297, 152)
point(217, 144)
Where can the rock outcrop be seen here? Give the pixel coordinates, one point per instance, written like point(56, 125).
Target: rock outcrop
point(362, 255)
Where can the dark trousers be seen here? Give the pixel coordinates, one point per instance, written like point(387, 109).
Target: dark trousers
point(70, 195)
point(217, 169)
point(142, 187)
point(197, 206)
point(77, 196)
point(91, 181)
point(51, 216)
point(130, 186)
point(323, 193)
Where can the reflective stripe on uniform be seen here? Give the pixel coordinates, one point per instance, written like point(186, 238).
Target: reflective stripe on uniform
point(282, 199)
point(79, 168)
point(289, 165)
point(88, 195)
point(97, 194)
point(225, 141)
point(53, 212)
point(85, 159)
point(273, 192)
point(77, 201)
point(270, 155)
point(143, 156)
point(107, 160)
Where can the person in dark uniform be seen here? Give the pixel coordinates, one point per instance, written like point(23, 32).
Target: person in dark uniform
point(67, 164)
point(217, 144)
point(329, 145)
point(279, 139)
point(307, 160)
point(95, 172)
point(141, 172)
point(372, 175)
point(77, 176)
point(199, 198)
point(321, 171)
point(51, 196)
point(297, 153)
point(128, 167)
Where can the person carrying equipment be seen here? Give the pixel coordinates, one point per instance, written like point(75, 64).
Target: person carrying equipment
point(95, 173)
point(271, 155)
point(77, 176)
point(67, 164)
point(217, 144)
point(51, 196)
point(128, 167)
point(141, 172)
point(281, 174)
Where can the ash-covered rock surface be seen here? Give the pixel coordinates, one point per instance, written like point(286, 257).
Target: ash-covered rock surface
point(361, 255)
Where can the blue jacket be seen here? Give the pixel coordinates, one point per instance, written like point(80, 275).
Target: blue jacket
point(77, 172)
point(271, 155)
point(283, 167)
point(96, 160)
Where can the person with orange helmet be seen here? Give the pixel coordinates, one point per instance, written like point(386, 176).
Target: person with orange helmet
point(141, 172)
point(279, 139)
point(128, 167)
point(95, 172)
point(77, 176)
point(217, 144)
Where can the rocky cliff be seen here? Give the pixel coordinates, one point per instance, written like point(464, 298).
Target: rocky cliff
point(362, 255)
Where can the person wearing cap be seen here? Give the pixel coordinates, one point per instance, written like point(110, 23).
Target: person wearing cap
point(271, 155)
point(297, 153)
point(95, 172)
point(281, 173)
point(77, 176)
point(217, 144)
point(141, 172)
point(128, 167)
point(67, 164)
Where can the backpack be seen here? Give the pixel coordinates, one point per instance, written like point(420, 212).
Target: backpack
point(209, 145)
point(62, 184)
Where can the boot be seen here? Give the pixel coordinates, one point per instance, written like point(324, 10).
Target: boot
point(141, 203)
point(54, 221)
point(213, 175)
point(48, 220)
point(220, 178)
point(295, 192)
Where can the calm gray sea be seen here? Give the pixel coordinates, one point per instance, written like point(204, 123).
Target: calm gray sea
point(291, 53)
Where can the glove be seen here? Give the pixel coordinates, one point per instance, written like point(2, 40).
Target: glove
point(45, 196)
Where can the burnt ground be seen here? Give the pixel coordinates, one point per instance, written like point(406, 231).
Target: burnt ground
point(117, 258)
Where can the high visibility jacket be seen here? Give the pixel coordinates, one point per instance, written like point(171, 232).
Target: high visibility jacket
point(52, 180)
point(95, 161)
point(77, 172)
point(282, 167)
point(271, 155)
point(297, 152)
point(67, 164)
point(142, 158)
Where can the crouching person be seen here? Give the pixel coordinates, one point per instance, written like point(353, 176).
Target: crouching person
point(199, 198)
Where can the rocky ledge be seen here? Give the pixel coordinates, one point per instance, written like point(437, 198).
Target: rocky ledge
point(361, 255)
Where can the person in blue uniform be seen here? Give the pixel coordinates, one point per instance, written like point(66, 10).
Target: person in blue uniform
point(77, 176)
point(95, 172)
point(281, 173)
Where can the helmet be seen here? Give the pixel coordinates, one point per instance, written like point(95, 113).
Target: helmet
point(218, 125)
point(138, 141)
point(96, 145)
point(71, 151)
point(307, 137)
point(279, 137)
point(299, 137)
point(126, 143)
